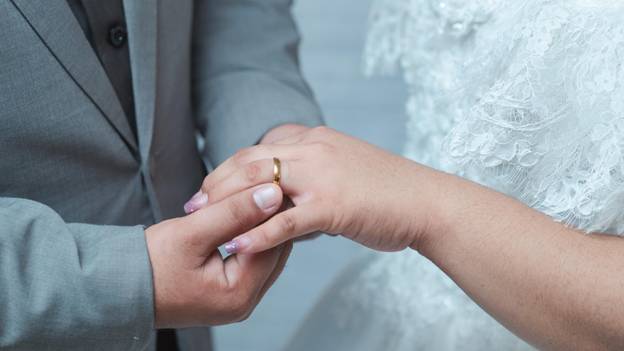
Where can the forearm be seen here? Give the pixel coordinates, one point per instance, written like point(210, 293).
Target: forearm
point(553, 286)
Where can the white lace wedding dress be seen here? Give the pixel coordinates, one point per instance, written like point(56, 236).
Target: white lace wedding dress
point(524, 96)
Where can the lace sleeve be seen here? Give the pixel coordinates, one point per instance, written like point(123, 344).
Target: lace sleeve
point(526, 97)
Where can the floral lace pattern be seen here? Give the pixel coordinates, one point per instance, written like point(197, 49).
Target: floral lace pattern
point(417, 308)
point(526, 97)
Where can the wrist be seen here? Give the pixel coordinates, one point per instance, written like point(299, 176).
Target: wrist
point(164, 311)
point(432, 190)
point(151, 240)
point(452, 204)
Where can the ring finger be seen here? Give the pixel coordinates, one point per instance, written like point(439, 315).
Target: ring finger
point(250, 175)
point(246, 156)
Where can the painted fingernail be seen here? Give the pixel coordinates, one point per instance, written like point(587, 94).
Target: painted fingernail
point(266, 197)
point(198, 201)
point(237, 245)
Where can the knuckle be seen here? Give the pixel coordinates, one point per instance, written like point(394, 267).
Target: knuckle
point(245, 155)
point(287, 225)
point(241, 155)
point(264, 236)
point(252, 172)
point(238, 212)
point(212, 192)
point(320, 131)
point(206, 185)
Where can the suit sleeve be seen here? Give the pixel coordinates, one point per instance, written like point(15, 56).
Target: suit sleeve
point(71, 286)
point(246, 73)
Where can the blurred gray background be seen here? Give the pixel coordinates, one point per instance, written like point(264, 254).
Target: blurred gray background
point(370, 108)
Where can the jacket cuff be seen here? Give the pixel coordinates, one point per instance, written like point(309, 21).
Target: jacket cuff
point(121, 280)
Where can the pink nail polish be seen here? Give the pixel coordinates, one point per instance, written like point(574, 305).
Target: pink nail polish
point(237, 245)
point(198, 201)
point(231, 247)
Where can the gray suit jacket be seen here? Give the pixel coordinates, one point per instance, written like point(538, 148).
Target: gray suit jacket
point(76, 187)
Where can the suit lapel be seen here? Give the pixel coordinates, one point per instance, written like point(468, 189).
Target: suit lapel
point(141, 19)
point(57, 27)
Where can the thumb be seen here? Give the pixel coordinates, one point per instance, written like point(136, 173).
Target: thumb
point(214, 225)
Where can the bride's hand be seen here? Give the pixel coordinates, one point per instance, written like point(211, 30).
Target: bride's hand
point(339, 185)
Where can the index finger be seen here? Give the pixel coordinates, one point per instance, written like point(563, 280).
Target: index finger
point(284, 226)
point(245, 157)
point(212, 226)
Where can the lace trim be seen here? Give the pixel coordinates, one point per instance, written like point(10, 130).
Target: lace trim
point(523, 96)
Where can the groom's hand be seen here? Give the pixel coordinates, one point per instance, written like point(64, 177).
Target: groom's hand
point(193, 285)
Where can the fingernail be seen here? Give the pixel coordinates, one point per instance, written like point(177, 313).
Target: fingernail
point(198, 201)
point(237, 245)
point(266, 198)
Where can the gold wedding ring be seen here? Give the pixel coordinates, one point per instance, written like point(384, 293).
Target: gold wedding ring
point(277, 171)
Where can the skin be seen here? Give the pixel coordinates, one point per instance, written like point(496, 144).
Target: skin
point(193, 284)
point(555, 287)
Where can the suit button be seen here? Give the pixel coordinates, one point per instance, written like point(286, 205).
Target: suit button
point(117, 36)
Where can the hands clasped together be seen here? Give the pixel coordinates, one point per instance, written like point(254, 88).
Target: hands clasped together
point(338, 185)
